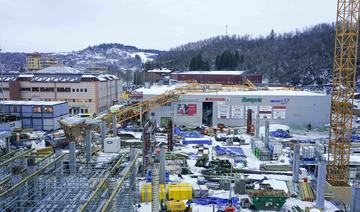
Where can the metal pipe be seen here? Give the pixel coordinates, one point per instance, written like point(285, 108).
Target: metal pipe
point(88, 145)
point(103, 133)
point(26, 179)
point(16, 157)
point(120, 184)
point(114, 129)
point(267, 132)
point(257, 126)
point(162, 177)
point(9, 154)
point(155, 204)
point(101, 184)
point(355, 203)
point(320, 185)
point(296, 159)
point(72, 157)
point(8, 147)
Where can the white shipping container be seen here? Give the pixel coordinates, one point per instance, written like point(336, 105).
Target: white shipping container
point(112, 145)
point(196, 190)
point(204, 191)
point(277, 148)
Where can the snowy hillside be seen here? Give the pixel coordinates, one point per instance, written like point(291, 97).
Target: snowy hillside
point(117, 56)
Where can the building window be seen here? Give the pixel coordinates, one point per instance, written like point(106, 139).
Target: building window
point(74, 100)
point(70, 111)
point(48, 109)
point(86, 111)
point(73, 90)
point(47, 89)
point(37, 109)
point(85, 90)
point(15, 109)
point(64, 90)
point(82, 110)
point(77, 90)
point(90, 100)
point(36, 89)
point(25, 89)
point(81, 90)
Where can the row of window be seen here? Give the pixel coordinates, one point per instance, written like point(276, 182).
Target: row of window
point(82, 110)
point(66, 100)
point(51, 89)
point(36, 109)
point(47, 109)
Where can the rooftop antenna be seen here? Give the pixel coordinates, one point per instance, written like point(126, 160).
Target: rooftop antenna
point(226, 30)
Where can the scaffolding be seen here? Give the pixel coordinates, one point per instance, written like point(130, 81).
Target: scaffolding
point(124, 195)
point(52, 187)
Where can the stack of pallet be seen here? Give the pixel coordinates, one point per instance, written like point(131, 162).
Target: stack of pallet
point(306, 192)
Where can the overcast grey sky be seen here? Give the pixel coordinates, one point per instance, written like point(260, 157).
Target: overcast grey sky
point(64, 25)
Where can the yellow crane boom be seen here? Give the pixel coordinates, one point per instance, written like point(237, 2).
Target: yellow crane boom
point(343, 87)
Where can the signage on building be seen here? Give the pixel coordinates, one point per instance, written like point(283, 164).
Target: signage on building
point(265, 112)
point(281, 101)
point(186, 109)
point(215, 99)
point(279, 112)
point(237, 111)
point(251, 100)
point(136, 95)
point(223, 111)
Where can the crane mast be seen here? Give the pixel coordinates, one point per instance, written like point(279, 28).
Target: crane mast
point(343, 88)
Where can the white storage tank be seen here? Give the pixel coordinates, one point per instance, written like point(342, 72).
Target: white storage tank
point(112, 145)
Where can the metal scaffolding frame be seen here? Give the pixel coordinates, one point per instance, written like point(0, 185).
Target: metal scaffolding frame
point(124, 194)
point(52, 187)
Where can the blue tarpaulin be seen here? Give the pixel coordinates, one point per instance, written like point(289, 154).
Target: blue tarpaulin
point(279, 133)
point(232, 150)
point(187, 140)
point(186, 134)
point(217, 201)
point(127, 128)
point(355, 138)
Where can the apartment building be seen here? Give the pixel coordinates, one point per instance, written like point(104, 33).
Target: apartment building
point(35, 61)
point(84, 92)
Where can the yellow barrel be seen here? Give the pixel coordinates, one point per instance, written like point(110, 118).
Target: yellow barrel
point(146, 190)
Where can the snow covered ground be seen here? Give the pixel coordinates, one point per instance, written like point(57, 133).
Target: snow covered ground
point(253, 163)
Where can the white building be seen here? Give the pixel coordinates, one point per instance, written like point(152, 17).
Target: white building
point(289, 107)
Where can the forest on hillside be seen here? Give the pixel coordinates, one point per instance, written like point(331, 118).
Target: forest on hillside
point(301, 57)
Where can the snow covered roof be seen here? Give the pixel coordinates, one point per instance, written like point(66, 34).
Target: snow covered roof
point(31, 103)
point(101, 77)
point(159, 89)
point(7, 78)
point(271, 92)
point(58, 74)
point(26, 75)
point(162, 70)
point(212, 72)
point(156, 89)
point(58, 70)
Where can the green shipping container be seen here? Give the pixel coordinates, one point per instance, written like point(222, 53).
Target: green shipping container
point(268, 201)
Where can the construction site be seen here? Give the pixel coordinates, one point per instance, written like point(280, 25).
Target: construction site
point(189, 146)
